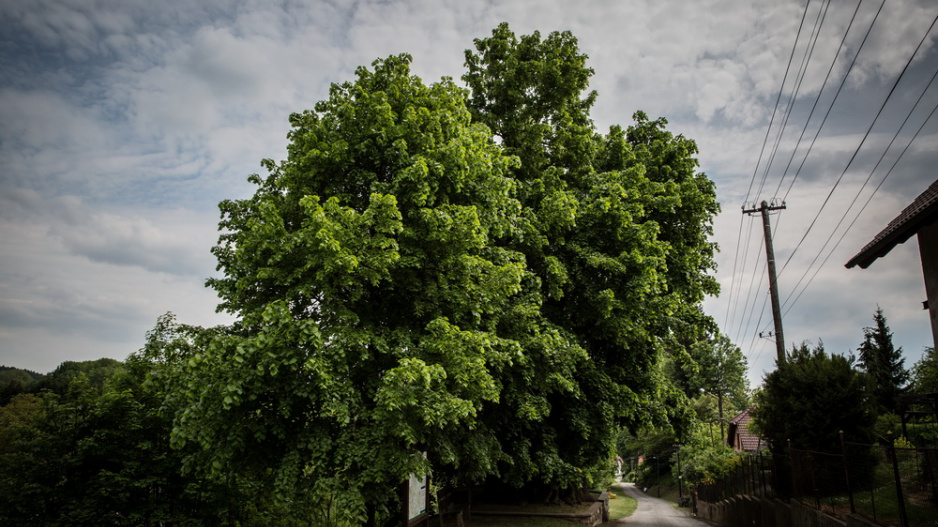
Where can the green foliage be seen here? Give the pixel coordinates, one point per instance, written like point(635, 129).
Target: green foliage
point(703, 463)
point(883, 363)
point(617, 261)
point(887, 424)
point(925, 373)
point(649, 453)
point(369, 298)
point(406, 283)
point(94, 372)
point(810, 398)
point(712, 365)
point(704, 456)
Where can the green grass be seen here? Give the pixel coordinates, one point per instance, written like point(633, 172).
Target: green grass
point(887, 506)
point(621, 506)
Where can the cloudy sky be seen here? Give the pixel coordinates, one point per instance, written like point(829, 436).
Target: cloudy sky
point(124, 122)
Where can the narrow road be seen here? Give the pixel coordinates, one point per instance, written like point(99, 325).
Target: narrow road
point(655, 512)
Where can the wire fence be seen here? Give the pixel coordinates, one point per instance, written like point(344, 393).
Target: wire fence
point(892, 486)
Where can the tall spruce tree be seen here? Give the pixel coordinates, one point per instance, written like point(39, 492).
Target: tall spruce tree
point(883, 362)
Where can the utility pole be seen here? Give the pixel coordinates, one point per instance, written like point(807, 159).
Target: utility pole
point(765, 208)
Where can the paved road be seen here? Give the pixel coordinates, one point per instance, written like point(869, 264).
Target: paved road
point(654, 512)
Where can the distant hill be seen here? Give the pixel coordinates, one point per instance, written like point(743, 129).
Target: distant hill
point(14, 381)
point(31, 373)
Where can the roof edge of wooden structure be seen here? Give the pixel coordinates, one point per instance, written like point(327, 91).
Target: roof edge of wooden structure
point(921, 212)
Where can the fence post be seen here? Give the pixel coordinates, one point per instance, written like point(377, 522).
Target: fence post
point(794, 481)
point(761, 476)
point(752, 474)
point(895, 469)
point(814, 489)
point(843, 450)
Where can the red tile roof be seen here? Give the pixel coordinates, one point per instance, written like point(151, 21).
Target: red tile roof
point(921, 212)
point(739, 436)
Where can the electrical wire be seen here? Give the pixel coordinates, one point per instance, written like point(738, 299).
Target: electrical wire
point(863, 141)
point(778, 99)
point(821, 92)
point(744, 320)
point(869, 199)
point(865, 183)
point(799, 79)
point(802, 72)
point(755, 171)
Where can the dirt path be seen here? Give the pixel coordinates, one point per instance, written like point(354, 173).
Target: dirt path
point(654, 512)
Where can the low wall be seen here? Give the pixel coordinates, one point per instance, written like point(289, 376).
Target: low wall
point(596, 514)
point(746, 511)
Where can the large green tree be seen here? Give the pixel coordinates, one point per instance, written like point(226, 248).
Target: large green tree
point(475, 275)
point(884, 363)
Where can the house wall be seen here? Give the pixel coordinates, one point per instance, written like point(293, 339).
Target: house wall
point(928, 248)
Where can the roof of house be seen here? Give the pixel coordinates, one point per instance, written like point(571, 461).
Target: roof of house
point(739, 428)
point(921, 212)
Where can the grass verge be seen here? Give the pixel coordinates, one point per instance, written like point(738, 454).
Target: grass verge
point(622, 506)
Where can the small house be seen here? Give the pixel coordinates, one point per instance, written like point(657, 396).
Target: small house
point(738, 436)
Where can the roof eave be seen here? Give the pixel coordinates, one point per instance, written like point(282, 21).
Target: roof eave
point(881, 247)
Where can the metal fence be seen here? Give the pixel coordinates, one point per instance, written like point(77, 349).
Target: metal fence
point(892, 486)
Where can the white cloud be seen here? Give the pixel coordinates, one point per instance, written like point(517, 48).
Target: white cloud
point(175, 242)
point(71, 275)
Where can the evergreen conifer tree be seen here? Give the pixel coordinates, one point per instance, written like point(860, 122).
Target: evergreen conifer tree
point(883, 362)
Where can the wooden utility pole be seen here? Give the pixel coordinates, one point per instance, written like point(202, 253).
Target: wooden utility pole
point(765, 208)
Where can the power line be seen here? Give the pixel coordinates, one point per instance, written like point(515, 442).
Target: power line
point(746, 309)
point(809, 52)
point(843, 81)
point(869, 199)
point(802, 285)
point(865, 183)
point(865, 137)
point(823, 122)
point(796, 89)
point(799, 79)
point(821, 92)
point(778, 99)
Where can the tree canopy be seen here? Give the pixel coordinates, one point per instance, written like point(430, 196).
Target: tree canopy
point(810, 398)
point(93, 449)
point(478, 275)
point(925, 373)
point(712, 365)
